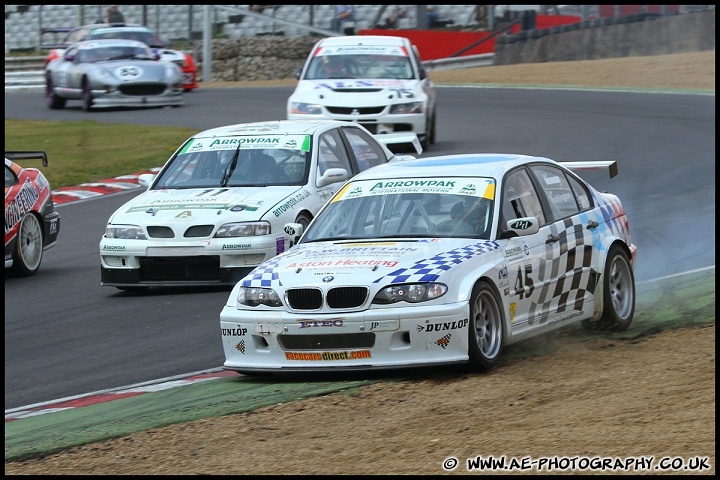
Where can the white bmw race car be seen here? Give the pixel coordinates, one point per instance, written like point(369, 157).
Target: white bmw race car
point(438, 260)
point(374, 80)
point(217, 208)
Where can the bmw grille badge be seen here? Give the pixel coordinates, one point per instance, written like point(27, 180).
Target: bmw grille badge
point(328, 279)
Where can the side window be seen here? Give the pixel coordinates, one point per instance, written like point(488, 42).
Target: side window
point(416, 56)
point(367, 152)
point(520, 198)
point(331, 153)
point(10, 178)
point(70, 53)
point(559, 194)
point(581, 193)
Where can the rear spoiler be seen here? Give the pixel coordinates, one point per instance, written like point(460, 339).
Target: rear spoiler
point(399, 138)
point(54, 31)
point(27, 155)
point(611, 165)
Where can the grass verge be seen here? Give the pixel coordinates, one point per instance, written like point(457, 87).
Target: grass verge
point(89, 151)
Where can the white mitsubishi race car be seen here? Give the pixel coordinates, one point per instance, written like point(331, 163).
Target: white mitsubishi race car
point(216, 210)
point(374, 80)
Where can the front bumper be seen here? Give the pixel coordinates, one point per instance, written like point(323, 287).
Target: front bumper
point(376, 124)
point(412, 336)
point(117, 99)
point(157, 263)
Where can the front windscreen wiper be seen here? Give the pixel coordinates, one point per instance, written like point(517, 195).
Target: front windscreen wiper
point(231, 167)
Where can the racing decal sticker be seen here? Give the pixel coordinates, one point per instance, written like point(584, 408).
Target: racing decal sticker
point(565, 272)
point(382, 325)
point(240, 346)
point(344, 355)
point(614, 221)
point(438, 327)
point(428, 270)
point(342, 264)
point(294, 142)
point(236, 246)
point(516, 251)
point(234, 332)
point(128, 72)
point(332, 322)
point(503, 277)
point(23, 202)
point(153, 206)
point(458, 186)
point(444, 341)
point(362, 50)
point(399, 85)
point(291, 202)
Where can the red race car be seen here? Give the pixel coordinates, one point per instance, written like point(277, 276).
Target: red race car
point(185, 60)
point(32, 224)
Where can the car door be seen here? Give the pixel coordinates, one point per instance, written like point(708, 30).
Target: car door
point(332, 153)
point(364, 151)
point(525, 256)
point(62, 72)
point(569, 249)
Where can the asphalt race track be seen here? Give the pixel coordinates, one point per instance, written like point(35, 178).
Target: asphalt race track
point(66, 335)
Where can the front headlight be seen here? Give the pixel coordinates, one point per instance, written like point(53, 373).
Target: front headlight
point(410, 292)
point(126, 232)
point(402, 108)
point(252, 297)
point(305, 108)
point(243, 229)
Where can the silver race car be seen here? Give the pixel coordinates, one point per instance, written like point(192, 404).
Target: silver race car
point(112, 73)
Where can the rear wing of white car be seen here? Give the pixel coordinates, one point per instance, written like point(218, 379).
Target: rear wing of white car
point(611, 165)
point(399, 138)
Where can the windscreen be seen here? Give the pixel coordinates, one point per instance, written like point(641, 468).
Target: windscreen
point(235, 161)
point(366, 62)
point(375, 209)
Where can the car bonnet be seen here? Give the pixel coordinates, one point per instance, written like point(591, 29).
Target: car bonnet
point(217, 205)
point(371, 262)
point(354, 92)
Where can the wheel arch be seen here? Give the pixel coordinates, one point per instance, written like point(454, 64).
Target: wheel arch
point(609, 243)
point(469, 285)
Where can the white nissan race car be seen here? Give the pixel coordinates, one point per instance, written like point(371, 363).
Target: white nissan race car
point(374, 80)
point(217, 208)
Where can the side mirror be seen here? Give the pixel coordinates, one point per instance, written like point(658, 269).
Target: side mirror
point(523, 226)
point(332, 175)
point(298, 72)
point(294, 231)
point(146, 179)
point(69, 57)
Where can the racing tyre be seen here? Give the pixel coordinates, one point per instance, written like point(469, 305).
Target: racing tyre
point(53, 100)
point(304, 220)
point(28, 251)
point(87, 100)
point(618, 294)
point(485, 328)
point(428, 138)
point(433, 129)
